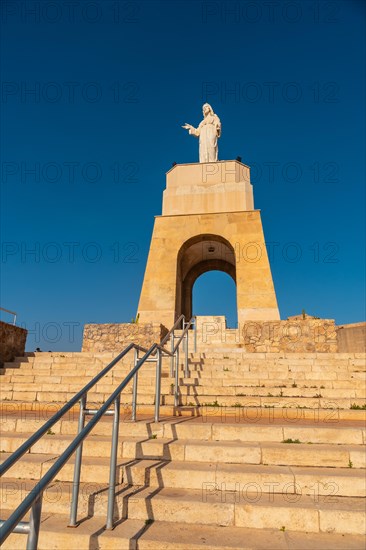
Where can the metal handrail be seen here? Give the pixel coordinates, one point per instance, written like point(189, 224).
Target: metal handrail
point(175, 351)
point(185, 331)
point(40, 487)
point(11, 312)
point(57, 416)
point(176, 324)
point(33, 500)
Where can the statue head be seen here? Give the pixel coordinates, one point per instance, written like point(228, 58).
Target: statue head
point(207, 109)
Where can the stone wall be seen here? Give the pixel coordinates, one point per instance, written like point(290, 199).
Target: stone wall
point(352, 338)
point(115, 337)
point(297, 336)
point(292, 336)
point(12, 339)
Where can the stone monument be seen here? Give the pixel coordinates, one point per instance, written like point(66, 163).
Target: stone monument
point(208, 222)
point(208, 132)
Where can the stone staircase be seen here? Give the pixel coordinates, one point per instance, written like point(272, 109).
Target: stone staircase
point(264, 451)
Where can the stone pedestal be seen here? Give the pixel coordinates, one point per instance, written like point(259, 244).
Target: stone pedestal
point(211, 187)
point(208, 223)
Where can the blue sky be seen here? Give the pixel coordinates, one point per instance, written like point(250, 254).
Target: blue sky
point(92, 105)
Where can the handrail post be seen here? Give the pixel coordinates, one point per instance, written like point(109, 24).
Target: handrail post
point(34, 523)
point(158, 385)
point(77, 467)
point(172, 356)
point(176, 396)
point(11, 313)
point(134, 388)
point(186, 355)
point(113, 463)
point(195, 335)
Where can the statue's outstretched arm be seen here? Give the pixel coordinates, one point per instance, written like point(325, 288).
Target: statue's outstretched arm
point(218, 126)
point(193, 131)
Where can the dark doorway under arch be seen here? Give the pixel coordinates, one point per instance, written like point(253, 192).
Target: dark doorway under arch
point(197, 256)
point(214, 293)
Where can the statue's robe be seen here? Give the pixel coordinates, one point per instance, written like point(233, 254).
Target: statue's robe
point(208, 131)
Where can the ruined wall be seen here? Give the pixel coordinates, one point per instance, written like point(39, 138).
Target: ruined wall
point(12, 339)
point(294, 335)
point(115, 337)
point(352, 338)
point(300, 335)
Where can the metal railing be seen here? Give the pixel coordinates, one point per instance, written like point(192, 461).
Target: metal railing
point(33, 501)
point(11, 313)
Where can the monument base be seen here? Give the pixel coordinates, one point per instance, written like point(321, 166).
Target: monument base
point(208, 223)
point(184, 247)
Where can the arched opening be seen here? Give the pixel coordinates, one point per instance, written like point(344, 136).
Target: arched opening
point(197, 256)
point(214, 293)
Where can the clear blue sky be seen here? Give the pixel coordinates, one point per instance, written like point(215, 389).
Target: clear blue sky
point(112, 83)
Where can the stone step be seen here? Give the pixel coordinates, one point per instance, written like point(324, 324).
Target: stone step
point(200, 364)
point(241, 507)
point(77, 356)
point(342, 389)
point(204, 386)
point(209, 357)
point(193, 387)
point(211, 476)
point(265, 374)
point(206, 371)
point(75, 381)
point(194, 475)
point(210, 353)
point(190, 450)
point(250, 509)
point(211, 389)
point(162, 535)
point(261, 401)
point(147, 377)
point(55, 444)
point(205, 413)
point(276, 382)
point(281, 454)
point(63, 397)
point(303, 366)
point(262, 430)
point(311, 358)
point(270, 474)
point(45, 386)
point(63, 371)
point(33, 466)
point(205, 401)
point(57, 497)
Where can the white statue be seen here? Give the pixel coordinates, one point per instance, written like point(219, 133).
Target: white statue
point(209, 130)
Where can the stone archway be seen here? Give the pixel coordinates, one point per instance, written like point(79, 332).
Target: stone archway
point(198, 255)
point(208, 222)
